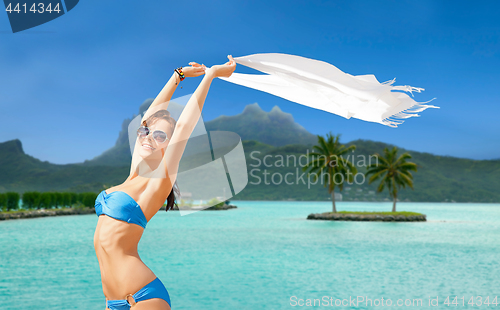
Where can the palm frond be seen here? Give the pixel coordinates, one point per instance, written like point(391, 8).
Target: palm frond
point(377, 176)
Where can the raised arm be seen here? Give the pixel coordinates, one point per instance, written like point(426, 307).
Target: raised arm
point(190, 115)
point(163, 99)
point(168, 90)
point(192, 111)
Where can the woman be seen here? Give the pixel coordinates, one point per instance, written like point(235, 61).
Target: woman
point(124, 210)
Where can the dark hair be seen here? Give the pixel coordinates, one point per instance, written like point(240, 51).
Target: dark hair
point(161, 114)
point(165, 115)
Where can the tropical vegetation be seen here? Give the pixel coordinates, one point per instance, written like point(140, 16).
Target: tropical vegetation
point(439, 178)
point(327, 163)
point(393, 171)
point(11, 201)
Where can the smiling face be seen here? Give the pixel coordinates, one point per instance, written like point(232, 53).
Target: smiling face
point(151, 148)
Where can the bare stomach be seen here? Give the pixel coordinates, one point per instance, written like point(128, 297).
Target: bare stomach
point(122, 270)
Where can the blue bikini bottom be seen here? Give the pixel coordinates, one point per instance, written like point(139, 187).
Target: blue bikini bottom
point(154, 289)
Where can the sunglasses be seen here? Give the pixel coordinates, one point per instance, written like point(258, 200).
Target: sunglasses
point(158, 135)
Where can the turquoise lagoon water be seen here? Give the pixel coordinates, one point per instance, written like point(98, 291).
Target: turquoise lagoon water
point(265, 255)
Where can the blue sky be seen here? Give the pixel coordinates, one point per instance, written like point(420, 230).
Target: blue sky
point(67, 85)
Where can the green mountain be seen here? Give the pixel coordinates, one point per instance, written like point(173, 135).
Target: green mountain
point(275, 128)
point(445, 178)
point(439, 178)
point(20, 172)
point(119, 154)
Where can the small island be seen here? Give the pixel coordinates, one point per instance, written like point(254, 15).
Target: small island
point(221, 207)
point(35, 204)
point(369, 216)
point(217, 207)
point(25, 214)
point(393, 171)
point(216, 204)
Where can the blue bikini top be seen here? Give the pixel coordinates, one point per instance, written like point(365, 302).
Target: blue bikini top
point(119, 205)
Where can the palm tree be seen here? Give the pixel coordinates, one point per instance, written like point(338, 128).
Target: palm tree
point(393, 171)
point(326, 160)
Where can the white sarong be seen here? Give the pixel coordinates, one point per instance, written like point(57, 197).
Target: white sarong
point(322, 86)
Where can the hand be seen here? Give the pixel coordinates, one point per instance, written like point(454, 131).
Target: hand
point(195, 70)
point(224, 70)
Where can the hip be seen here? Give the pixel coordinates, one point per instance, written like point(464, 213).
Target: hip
point(122, 274)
